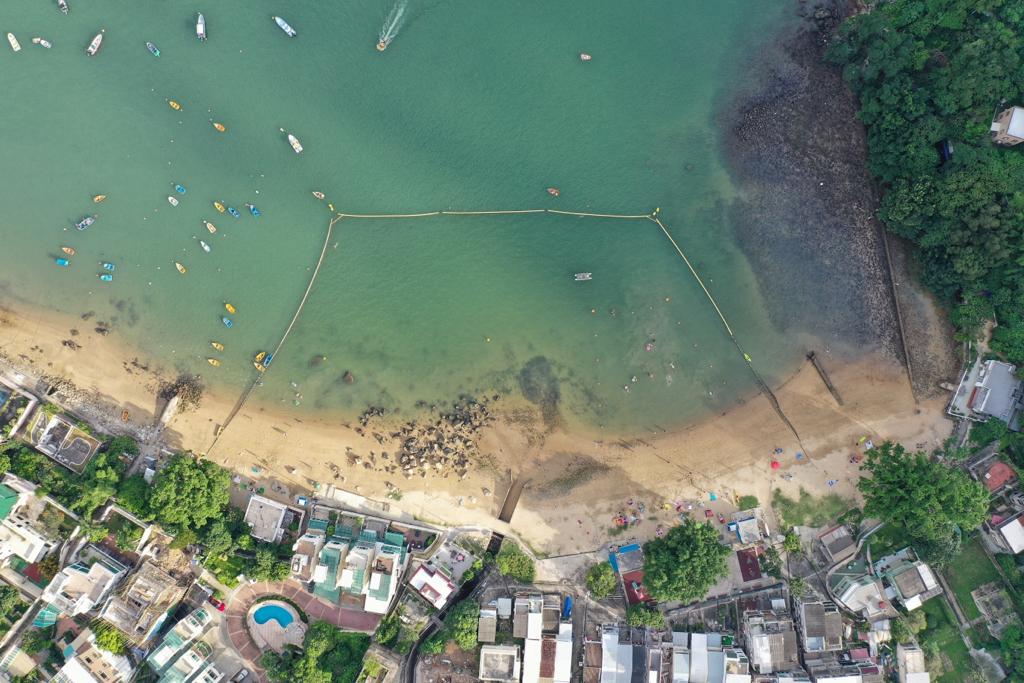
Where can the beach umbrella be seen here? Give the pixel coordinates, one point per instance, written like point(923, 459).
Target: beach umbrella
point(776, 464)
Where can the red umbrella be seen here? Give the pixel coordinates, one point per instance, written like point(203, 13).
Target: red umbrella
point(775, 464)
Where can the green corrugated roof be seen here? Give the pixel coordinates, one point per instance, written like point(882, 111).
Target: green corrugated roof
point(368, 535)
point(381, 593)
point(319, 524)
point(8, 499)
point(394, 539)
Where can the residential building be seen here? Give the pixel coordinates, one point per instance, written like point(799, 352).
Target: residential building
point(177, 640)
point(551, 612)
point(307, 551)
point(705, 658)
point(616, 655)
point(911, 582)
point(87, 663)
point(997, 476)
point(528, 620)
point(749, 526)
point(433, 585)
point(488, 626)
point(85, 584)
point(562, 672)
point(770, 641)
point(266, 517)
point(532, 653)
point(1011, 533)
point(548, 648)
point(996, 393)
point(188, 664)
point(21, 534)
point(143, 603)
point(821, 626)
point(1008, 127)
point(910, 665)
point(499, 663)
point(863, 594)
point(838, 544)
point(367, 568)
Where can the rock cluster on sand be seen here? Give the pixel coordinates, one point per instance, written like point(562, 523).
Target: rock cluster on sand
point(444, 445)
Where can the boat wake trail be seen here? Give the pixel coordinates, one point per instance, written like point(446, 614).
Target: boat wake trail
point(393, 22)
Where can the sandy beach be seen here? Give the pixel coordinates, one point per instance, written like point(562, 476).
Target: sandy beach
point(574, 484)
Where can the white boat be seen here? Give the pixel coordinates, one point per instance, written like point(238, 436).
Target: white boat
point(583, 277)
point(284, 26)
point(94, 46)
point(205, 246)
point(15, 45)
point(42, 42)
point(294, 142)
point(63, 5)
point(201, 27)
point(173, 201)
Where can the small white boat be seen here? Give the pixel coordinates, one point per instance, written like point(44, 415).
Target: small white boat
point(63, 5)
point(201, 27)
point(584, 57)
point(42, 42)
point(94, 46)
point(15, 45)
point(294, 142)
point(583, 277)
point(205, 246)
point(173, 201)
point(284, 26)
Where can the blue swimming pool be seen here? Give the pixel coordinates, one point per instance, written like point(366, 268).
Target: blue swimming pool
point(279, 614)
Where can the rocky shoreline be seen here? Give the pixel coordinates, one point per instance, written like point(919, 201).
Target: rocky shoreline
point(805, 216)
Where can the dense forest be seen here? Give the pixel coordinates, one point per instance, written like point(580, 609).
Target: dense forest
point(927, 72)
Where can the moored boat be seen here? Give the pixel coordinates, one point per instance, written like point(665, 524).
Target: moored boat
point(94, 46)
point(70, 251)
point(153, 49)
point(217, 345)
point(201, 27)
point(293, 141)
point(210, 227)
point(318, 195)
point(107, 265)
point(181, 269)
point(227, 321)
point(62, 262)
point(584, 57)
point(63, 6)
point(172, 200)
point(42, 42)
point(86, 222)
point(213, 361)
point(205, 247)
point(234, 212)
point(219, 126)
point(259, 366)
point(106, 277)
point(180, 189)
point(173, 105)
point(285, 27)
point(554, 191)
point(258, 358)
point(253, 210)
point(218, 206)
point(229, 308)
point(15, 45)
point(97, 198)
point(582, 277)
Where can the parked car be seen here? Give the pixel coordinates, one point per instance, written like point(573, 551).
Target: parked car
point(217, 603)
point(240, 676)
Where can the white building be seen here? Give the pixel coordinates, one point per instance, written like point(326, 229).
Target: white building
point(91, 664)
point(266, 517)
point(910, 664)
point(563, 653)
point(433, 585)
point(1012, 534)
point(85, 584)
point(21, 534)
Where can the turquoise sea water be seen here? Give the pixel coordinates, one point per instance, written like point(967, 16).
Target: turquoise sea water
point(473, 106)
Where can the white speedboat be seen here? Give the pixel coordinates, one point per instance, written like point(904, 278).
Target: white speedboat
point(583, 277)
point(94, 46)
point(205, 246)
point(63, 6)
point(284, 26)
point(42, 42)
point(294, 142)
point(173, 201)
point(201, 27)
point(15, 45)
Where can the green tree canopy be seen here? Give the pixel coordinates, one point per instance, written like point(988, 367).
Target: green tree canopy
point(217, 538)
point(928, 72)
point(514, 563)
point(187, 493)
point(642, 615)
point(684, 563)
point(133, 496)
point(460, 625)
point(328, 656)
point(9, 600)
point(931, 502)
point(266, 566)
point(601, 580)
point(122, 444)
point(1011, 649)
